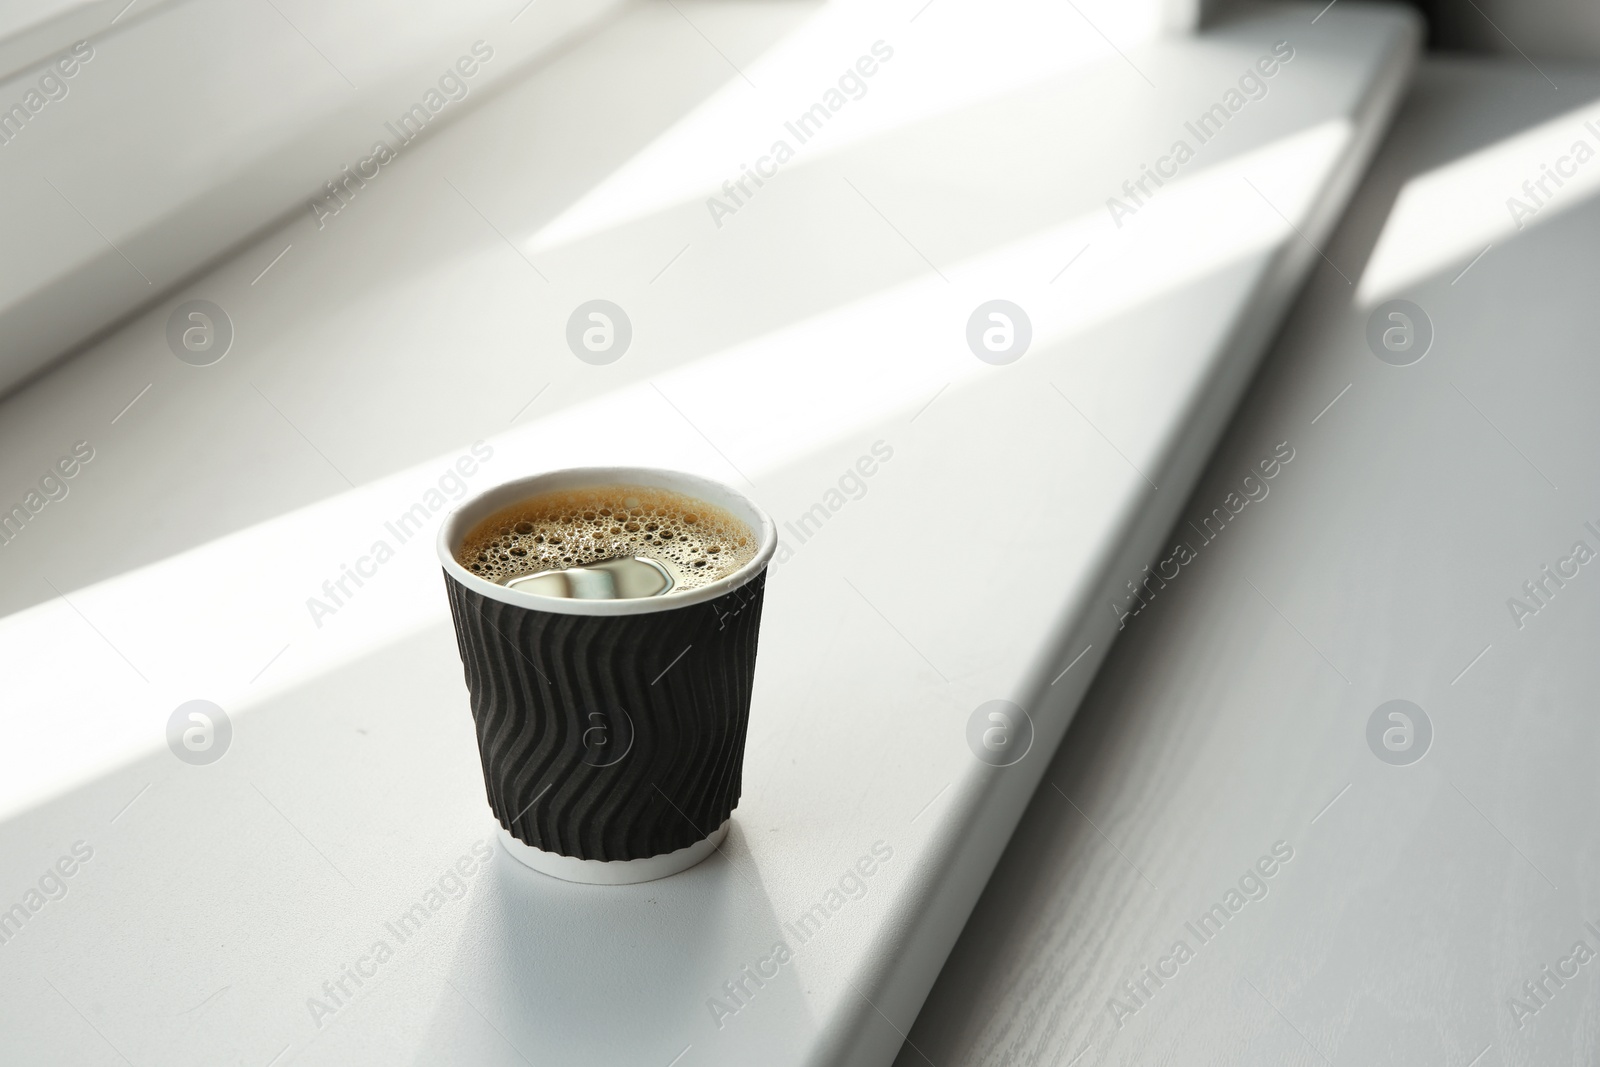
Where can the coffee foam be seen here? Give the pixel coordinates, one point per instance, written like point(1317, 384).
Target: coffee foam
point(697, 542)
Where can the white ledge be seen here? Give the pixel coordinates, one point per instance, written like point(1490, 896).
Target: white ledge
point(814, 343)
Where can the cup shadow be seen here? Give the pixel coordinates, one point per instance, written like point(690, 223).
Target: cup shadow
point(619, 974)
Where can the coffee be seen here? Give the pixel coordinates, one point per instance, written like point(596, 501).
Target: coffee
point(612, 710)
point(607, 542)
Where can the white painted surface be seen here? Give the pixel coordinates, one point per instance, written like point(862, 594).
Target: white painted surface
point(821, 325)
point(31, 30)
point(198, 122)
point(1382, 566)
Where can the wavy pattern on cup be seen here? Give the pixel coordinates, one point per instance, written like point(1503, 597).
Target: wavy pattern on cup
point(681, 676)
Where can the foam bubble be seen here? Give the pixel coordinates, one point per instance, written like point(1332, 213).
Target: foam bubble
point(696, 541)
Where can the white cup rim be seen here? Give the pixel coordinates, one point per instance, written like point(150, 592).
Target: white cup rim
point(471, 511)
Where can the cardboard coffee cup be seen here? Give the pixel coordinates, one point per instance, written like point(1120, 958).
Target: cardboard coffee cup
point(611, 731)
